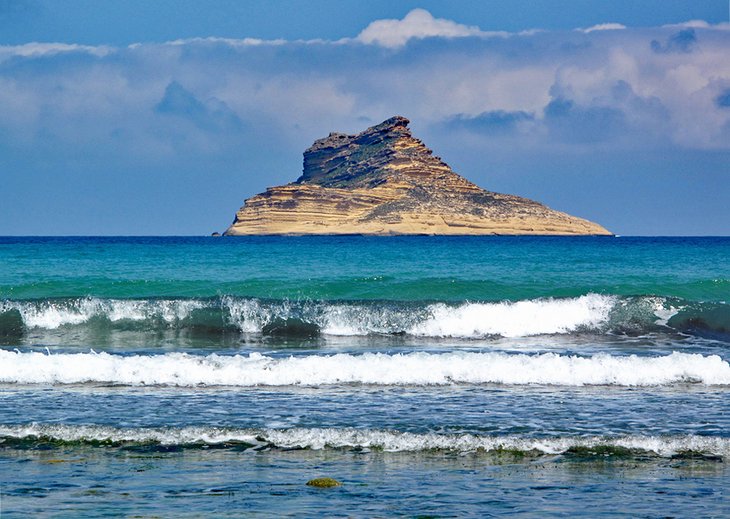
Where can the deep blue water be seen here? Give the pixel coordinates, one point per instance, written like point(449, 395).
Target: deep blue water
point(439, 376)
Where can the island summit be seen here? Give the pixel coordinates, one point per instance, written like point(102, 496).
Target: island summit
point(384, 181)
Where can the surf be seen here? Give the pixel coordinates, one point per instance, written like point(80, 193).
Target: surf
point(590, 313)
point(347, 438)
point(383, 369)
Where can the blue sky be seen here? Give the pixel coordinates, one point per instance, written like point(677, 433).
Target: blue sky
point(161, 117)
point(117, 22)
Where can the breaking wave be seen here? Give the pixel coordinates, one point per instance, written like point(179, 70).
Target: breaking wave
point(592, 313)
point(418, 368)
point(351, 438)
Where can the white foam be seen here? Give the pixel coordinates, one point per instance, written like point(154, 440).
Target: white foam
point(518, 319)
point(54, 314)
point(420, 368)
point(468, 320)
point(663, 311)
point(51, 315)
point(251, 315)
point(354, 320)
point(351, 438)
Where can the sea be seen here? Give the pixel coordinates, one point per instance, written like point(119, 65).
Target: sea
point(430, 376)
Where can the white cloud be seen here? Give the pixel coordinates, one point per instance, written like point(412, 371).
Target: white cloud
point(694, 24)
point(698, 24)
point(604, 27)
point(418, 23)
point(233, 42)
point(34, 49)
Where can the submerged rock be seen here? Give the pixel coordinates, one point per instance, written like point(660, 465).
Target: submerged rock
point(385, 181)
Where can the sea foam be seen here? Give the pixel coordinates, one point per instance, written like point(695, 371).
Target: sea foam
point(466, 320)
point(352, 438)
point(518, 319)
point(418, 368)
point(52, 314)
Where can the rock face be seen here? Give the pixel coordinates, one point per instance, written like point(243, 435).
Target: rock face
point(385, 181)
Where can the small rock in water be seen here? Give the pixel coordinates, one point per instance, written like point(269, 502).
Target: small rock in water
point(323, 483)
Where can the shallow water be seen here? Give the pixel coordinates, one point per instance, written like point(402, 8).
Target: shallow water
point(432, 376)
point(224, 483)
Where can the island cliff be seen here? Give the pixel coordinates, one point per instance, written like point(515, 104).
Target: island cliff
point(385, 181)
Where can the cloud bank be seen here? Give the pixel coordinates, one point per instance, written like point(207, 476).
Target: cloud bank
point(606, 84)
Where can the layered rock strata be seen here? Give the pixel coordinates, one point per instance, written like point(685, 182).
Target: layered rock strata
point(385, 181)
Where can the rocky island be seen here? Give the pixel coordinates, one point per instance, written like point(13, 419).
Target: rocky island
point(384, 181)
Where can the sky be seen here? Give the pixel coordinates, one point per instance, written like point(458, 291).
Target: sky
point(161, 117)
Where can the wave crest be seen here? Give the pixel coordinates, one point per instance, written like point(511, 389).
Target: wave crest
point(420, 368)
point(591, 313)
point(351, 438)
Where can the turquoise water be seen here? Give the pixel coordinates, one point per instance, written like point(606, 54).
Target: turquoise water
point(440, 376)
point(351, 267)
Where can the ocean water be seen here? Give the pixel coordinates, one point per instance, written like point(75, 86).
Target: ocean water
point(432, 376)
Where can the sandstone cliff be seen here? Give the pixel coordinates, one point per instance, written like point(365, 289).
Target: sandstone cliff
point(385, 181)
